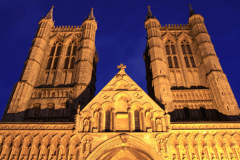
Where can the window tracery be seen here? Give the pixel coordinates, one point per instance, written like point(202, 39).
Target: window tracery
point(187, 52)
point(171, 54)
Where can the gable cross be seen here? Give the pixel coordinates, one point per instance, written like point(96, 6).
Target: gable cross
point(121, 67)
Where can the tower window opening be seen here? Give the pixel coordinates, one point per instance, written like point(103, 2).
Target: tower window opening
point(170, 62)
point(66, 63)
point(69, 50)
point(49, 63)
point(175, 62)
point(183, 49)
point(55, 63)
point(36, 109)
point(74, 50)
point(189, 49)
point(52, 51)
point(193, 62)
point(58, 50)
point(167, 49)
point(50, 107)
point(72, 63)
point(173, 49)
point(187, 62)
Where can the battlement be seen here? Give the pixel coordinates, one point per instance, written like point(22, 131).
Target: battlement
point(174, 27)
point(67, 28)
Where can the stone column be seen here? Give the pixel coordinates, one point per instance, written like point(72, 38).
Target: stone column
point(131, 120)
point(90, 124)
point(102, 120)
point(233, 146)
point(143, 124)
point(114, 118)
point(153, 119)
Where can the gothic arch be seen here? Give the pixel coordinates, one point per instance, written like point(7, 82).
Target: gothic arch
point(170, 37)
point(184, 36)
point(131, 144)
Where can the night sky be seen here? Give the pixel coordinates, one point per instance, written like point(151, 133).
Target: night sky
point(121, 36)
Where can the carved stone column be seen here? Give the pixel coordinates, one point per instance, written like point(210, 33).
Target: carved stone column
point(187, 148)
point(131, 120)
point(178, 151)
point(91, 124)
point(153, 119)
point(114, 118)
point(142, 111)
point(198, 153)
point(102, 120)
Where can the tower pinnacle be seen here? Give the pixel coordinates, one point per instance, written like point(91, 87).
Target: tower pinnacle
point(149, 14)
point(191, 12)
point(91, 16)
point(50, 14)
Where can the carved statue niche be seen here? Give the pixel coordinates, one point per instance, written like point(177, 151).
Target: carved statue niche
point(87, 148)
point(86, 125)
point(162, 145)
point(148, 120)
point(96, 120)
point(159, 125)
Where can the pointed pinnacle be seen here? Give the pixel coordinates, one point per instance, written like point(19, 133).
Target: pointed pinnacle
point(50, 14)
point(149, 14)
point(191, 11)
point(91, 16)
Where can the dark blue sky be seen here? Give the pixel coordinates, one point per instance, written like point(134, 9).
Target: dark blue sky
point(121, 36)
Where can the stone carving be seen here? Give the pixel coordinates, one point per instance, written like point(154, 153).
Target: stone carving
point(105, 95)
point(138, 95)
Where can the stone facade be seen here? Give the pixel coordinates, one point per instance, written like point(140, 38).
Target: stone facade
point(184, 75)
point(52, 113)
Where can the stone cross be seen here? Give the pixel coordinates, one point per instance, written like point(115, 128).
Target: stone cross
point(121, 67)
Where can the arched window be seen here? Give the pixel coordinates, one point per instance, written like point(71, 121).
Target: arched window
point(186, 113)
point(70, 55)
point(170, 62)
point(55, 63)
point(50, 107)
point(189, 49)
point(203, 112)
point(69, 50)
point(74, 50)
point(52, 50)
point(193, 62)
point(49, 63)
point(58, 50)
point(36, 109)
point(66, 63)
point(183, 49)
point(107, 120)
point(167, 49)
point(186, 62)
point(175, 62)
point(72, 63)
point(173, 49)
point(137, 122)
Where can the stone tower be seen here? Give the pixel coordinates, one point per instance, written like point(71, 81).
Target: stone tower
point(184, 75)
point(58, 75)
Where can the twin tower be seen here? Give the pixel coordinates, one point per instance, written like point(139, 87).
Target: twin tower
point(184, 76)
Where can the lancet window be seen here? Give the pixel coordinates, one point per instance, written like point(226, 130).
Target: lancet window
point(70, 56)
point(107, 120)
point(171, 54)
point(137, 122)
point(53, 57)
point(187, 52)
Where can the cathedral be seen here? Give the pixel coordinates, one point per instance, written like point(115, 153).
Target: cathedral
point(189, 112)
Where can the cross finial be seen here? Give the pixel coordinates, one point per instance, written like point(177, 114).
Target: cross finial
point(121, 67)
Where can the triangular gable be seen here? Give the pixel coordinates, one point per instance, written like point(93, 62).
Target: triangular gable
point(121, 106)
point(121, 89)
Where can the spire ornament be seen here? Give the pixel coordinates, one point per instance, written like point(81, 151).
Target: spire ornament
point(91, 16)
point(149, 14)
point(121, 67)
point(50, 14)
point(191, 11)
